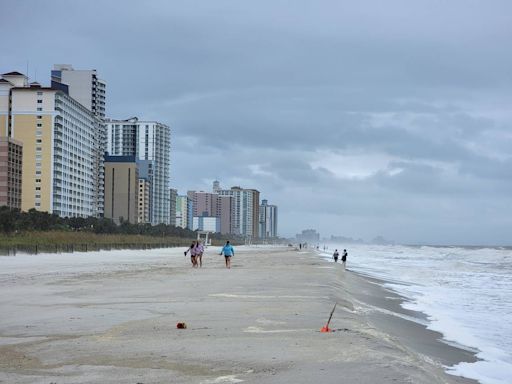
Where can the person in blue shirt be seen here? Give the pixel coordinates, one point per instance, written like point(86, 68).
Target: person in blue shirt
point(228, 252)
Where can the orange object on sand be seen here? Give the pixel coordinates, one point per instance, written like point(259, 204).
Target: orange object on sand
point(181, 325)
point(326, 328)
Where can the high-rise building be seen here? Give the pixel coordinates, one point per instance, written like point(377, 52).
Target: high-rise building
point(203, 203)
point(11, 158)
point(268, 220)
point(82, 85)
point(173, 194)
point(144, 204)
point(60, 142)
point(88, 89)
point(216, 186)
point(308, 235)
point(225, 214)
point(184, 213)
point(245, 211)
point(150, 142)
point(121, 189)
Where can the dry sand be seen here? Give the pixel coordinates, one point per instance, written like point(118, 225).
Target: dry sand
point(94, 318)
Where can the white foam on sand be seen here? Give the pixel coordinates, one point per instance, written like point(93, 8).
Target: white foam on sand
point(466, 294)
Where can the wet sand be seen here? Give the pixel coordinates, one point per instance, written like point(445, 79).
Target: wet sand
point(111, 318)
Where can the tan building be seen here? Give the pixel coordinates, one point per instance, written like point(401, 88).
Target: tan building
point(11, 155)
point(245, 211)
point(144, 204)
point(60, 143)
point(121, 189)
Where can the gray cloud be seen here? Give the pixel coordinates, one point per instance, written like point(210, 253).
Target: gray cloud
point(360, 119)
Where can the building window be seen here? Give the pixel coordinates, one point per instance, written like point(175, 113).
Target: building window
point(39, 101)
point(39, 109)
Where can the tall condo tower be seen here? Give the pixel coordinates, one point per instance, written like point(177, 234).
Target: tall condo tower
point(150, 143)
point(83, 85)
point(60, 140)
point(245, 210)
point(268, 220)
point(88, 89)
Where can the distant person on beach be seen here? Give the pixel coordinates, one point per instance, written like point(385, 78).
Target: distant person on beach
point(300, 245)
point(199, 253)
point(192, 250)
point(344, 259)
point(335, 256)
point(228, 252)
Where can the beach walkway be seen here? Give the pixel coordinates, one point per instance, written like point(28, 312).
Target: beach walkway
point(104, 318)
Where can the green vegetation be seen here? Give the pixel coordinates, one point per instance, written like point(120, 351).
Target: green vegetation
point(41, 231)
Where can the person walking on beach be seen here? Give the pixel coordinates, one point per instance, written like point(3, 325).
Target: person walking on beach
point(199, 253)
point(192, 250)
point(228, 252)
point(344, 259)
point(335, 256)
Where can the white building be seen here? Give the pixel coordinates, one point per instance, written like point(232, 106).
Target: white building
point(206, 223)
point(184, 218)
point(84, 86)
point(60, 142)
point(150, 142)
point(268, 220)
point(88, 89)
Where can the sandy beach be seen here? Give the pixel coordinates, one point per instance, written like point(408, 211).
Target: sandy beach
point(111, 317)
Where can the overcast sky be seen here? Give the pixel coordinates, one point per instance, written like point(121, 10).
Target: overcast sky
point(359, 118)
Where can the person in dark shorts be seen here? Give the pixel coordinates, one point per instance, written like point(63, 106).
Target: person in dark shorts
point(228, 252)
point(192, 250)
point(335, 256)
point(344, 259)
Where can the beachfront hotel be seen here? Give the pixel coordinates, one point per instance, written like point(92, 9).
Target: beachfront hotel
point(60, 139)
point(268, 220)
point(88, 89)
point(11, 158)
point(173, 194)
point(184, 213)
point(121, 189)
point(83, 85)
point(144, 201)
point(150, 143)
point(245, 211)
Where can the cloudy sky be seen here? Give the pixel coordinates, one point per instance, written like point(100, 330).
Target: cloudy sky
point(358, 118)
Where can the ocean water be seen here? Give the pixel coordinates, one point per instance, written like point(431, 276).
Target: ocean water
point(466, 293)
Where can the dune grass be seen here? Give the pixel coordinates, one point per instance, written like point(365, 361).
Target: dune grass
point(52, 238)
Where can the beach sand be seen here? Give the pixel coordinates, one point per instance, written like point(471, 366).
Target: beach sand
point(259, 322)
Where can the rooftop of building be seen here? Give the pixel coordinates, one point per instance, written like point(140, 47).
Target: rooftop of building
point(14, 73)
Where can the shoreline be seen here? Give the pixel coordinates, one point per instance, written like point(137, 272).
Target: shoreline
point(387, 313)
point(111, 318)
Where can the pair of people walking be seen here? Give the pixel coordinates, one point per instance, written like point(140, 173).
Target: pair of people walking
point(343, 257)
point(196, 250)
